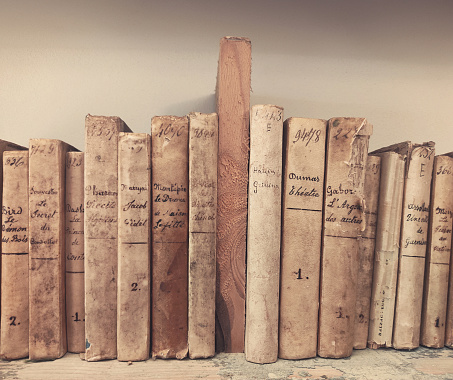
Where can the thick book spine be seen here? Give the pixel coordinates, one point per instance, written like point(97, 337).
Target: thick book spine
point(233, 103)
point(385, 271)
point(4, 146)
point(14, 283)
point(434, 310)
point(134, 243)
point(303, 182)
point(47, 325)
point(203, 146)
point(413, 244)
point(101, 235)
point(263, 233)
point(366, 252)
point(169, 138)
point(347, 148)
point(75, 268)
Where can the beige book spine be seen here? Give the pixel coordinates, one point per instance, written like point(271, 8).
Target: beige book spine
point(347, 148)
point(303, 182)
point(4, 146)
point(263, 233)
point(134, 238)
point(203, 147)
point(101, 235)
point(233, 103)
point(75, 268)
point(14, 242)
point(366, 252)
point(169, 236)
point(413, 244)
point(47, 324)
point(449, 318)
point(385, 269)
point(437, 270)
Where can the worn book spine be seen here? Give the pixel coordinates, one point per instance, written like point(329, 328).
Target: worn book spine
point(233, 103)
point(385, 269)
point(366, 252)
point(347, 148)
point(413, 244)
point(101, 235)
point(14, 283)
point(449, 318)
point(203, 147)
point(263, 233)
point(134, 244)
point(4, 146)
point(47, 325)
point(437, 270)
point(169, 138)
point(303, 181)
point(75, 289)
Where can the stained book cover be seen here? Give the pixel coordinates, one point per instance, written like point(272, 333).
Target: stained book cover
point(346, 155)
point(233, 103)
point(263, 233)
point(366, 252)
point(14, 242)
point(169, 138)
point(101, 235)
point(385, 271)
point(413, 241)
point(47, 324)
point(74, 254)
point(203, 147)
point(134, 243)
point(437, 270)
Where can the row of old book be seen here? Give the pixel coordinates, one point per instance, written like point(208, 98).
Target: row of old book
point(112, 252)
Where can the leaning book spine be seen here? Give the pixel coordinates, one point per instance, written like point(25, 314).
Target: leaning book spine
point(14, 313)
point(101, 235)
point(169, 138)
point(303, 182)
point(47, 324)
point(203, 146)
point(263, 233)
point(437, 270)
point(366, 252)
point(385, 270)
point(347, 148)
point(134, 281)
point(233, 108)
point(75, 290)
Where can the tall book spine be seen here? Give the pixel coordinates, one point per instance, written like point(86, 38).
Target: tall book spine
point(47, 324)
point(169, 138)
point(413, 244)
point(437, 271)
point(134, 243)
point(263, 233)
point(366, 252)
point(75, 268)
point(101, 235)
point(449, 319)
point(233, 103)
point(347, 148)
point(203, 146)
point(4, 146)
point(385, 271)
point(14, 283)
point(303, 183)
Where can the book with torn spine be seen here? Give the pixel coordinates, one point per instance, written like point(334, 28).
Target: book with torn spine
point(346, 155)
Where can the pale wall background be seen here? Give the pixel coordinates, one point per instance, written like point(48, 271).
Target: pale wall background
point(389, 61)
